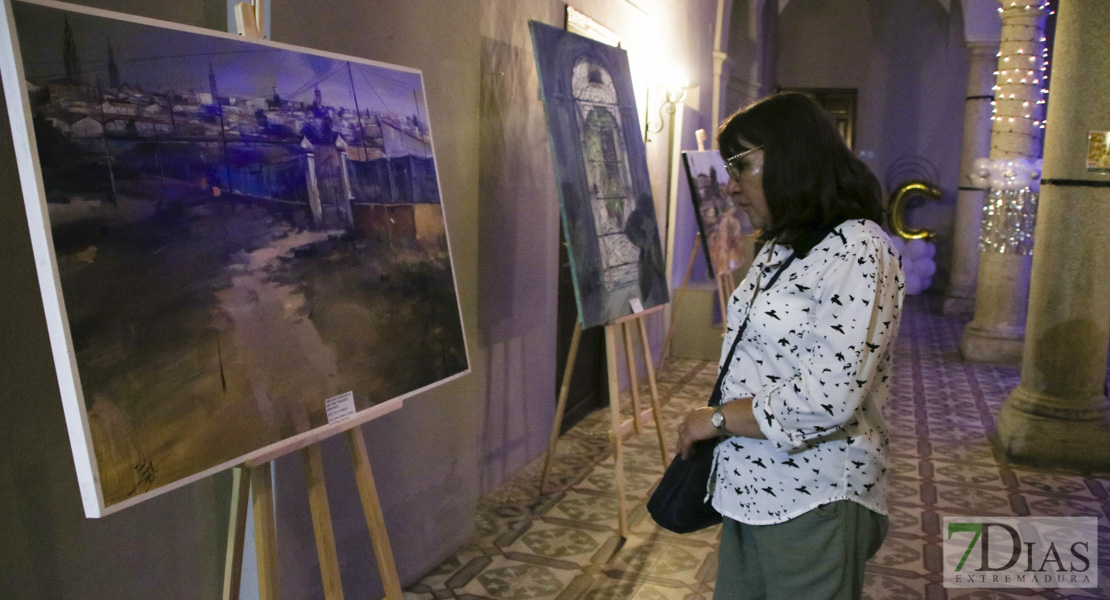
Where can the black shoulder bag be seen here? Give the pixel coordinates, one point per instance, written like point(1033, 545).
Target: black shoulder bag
point(678, 503)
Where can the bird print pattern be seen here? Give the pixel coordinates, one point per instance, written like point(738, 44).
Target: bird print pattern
point(816, 357)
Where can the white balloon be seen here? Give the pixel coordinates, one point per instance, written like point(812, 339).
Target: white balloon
point(930, 250)
point(915, 249)
point(913, 286)
point(981, 164)
point(925, 268)
point(909, 267)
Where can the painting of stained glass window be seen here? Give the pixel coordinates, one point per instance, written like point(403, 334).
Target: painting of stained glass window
point(600, 165)
point(241, 244)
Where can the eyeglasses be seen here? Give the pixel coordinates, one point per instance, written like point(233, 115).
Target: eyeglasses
point(733, 166)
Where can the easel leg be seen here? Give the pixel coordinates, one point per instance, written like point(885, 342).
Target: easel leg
point(722, 298)
point(265, 537)
point(615, 410)
point(633, 379)
point(564, 390)
point(665, 354)
point(655, 408)
point(236, 532)
point(321, 522)
point(375, 521)
point(726, 285)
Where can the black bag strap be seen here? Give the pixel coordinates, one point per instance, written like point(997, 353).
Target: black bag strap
point(801, 248)
point(715, 398)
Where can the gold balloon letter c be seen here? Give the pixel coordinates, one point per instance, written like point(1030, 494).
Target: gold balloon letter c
point(898, 208)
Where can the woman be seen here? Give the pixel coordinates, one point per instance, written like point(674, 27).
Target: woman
point(800, 469)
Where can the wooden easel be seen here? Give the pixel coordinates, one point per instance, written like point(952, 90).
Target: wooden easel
point(256, 477)
point(726, 284)
point(665, 353)
point(619, 427)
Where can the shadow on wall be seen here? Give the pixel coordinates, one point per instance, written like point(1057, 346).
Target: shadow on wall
point(518, 228)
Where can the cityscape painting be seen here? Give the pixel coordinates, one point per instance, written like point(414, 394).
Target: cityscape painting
point(720, 220)
point(239, 231)
point(601, 168)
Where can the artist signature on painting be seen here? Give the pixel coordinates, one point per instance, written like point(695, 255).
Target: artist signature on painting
point(145, 472)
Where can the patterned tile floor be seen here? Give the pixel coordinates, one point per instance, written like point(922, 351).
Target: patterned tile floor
point(563, 545)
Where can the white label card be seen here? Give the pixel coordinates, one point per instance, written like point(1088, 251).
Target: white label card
point(637, 306)
point(340, 408)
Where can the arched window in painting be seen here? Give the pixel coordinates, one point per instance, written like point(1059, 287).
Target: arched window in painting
point(610, 182)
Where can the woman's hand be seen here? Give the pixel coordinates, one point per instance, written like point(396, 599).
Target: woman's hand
point(696, 427)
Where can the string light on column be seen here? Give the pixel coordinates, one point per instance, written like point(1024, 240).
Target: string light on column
point(1012, 175)
point(1024, 77)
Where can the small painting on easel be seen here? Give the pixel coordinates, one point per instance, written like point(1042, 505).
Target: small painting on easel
point(242, 244)
point(720, 220)
point(601, 167)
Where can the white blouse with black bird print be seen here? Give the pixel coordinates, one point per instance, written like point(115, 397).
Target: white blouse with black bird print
point(816, 357)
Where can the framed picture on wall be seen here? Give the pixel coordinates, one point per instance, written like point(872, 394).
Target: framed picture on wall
point(840, 103)
point(241, 244)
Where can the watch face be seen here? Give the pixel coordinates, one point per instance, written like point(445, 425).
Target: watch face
point(717, 419)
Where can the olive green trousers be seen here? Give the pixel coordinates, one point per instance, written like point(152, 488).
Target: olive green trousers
point(818, 555)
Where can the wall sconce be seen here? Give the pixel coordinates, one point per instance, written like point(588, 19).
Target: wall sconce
point(674, 91)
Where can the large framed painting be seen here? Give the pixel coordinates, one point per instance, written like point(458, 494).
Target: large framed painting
point(241, 244)
point(720, 220)
point(601, 168)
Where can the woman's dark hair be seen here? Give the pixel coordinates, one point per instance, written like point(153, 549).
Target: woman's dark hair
point(811, 180)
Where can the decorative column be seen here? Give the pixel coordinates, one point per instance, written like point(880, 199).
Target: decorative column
point(310, 182)
point(719, 58)
point(716, 117)
point(348, 193)
point(997, 332)
point(960, 296)
point(1057, 416)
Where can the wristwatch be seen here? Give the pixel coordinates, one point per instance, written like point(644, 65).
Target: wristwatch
point(718, 421)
